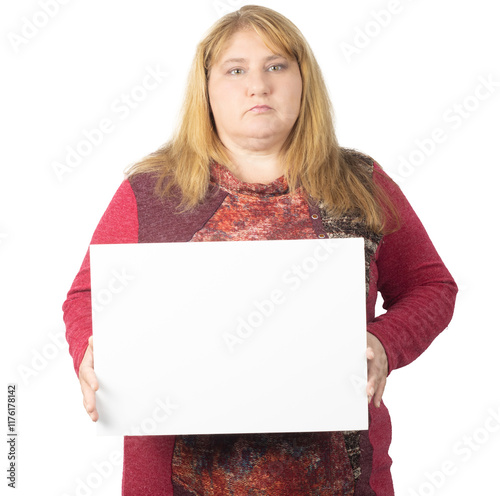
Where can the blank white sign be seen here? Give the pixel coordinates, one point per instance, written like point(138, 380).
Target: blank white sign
point(230, 337)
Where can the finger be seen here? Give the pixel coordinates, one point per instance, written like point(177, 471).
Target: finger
point(371, 385)
point(370, 391)
point(94, 383)
point(370, 353)
point(87, 375)
point(88, 397)
point(88, 384)
point(88, 381)
point(86, 371)
point(377, 399)
point(87, 390)
point(89, 402)
point(377, 385)
point(90, 349)
point(94, 416)
point(369, 395)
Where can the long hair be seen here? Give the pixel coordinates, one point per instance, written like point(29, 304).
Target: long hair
point(311, 156)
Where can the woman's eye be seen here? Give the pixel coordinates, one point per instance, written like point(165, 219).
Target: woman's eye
point(275, 68)
point(236, 71)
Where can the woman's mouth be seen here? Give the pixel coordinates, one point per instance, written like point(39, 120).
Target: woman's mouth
point(260, 109)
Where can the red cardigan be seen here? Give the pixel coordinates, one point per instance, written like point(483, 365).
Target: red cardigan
point(418, 292)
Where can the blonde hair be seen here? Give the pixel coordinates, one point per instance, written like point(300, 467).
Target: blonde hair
point(311, 156)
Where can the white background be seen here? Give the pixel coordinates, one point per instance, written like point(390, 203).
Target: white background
point(406, 81)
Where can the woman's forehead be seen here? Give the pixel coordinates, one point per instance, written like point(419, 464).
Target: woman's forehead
point(237, 45)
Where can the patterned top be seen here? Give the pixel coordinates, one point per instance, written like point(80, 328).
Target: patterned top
point(274, 464)
point(255, 211)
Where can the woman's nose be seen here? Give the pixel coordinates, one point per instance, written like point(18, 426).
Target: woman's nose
point(258, 83)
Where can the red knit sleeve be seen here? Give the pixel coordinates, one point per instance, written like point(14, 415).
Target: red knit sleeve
point(418, 291)
point(119, 224)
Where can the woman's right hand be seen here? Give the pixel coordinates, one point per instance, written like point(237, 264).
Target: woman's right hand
point(88, 381)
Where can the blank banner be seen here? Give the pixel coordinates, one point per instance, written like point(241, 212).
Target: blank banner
point(230, 337)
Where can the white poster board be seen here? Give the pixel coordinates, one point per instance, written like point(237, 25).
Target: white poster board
point(230, 337)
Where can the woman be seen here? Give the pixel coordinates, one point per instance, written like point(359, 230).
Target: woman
point(255, 157)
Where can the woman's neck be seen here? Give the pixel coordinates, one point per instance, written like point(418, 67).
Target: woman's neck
point(256, 166)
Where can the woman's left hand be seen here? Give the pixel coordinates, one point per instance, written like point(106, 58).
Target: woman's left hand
point(377, 369)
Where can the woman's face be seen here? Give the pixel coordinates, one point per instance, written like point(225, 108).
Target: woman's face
point(254, 94)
